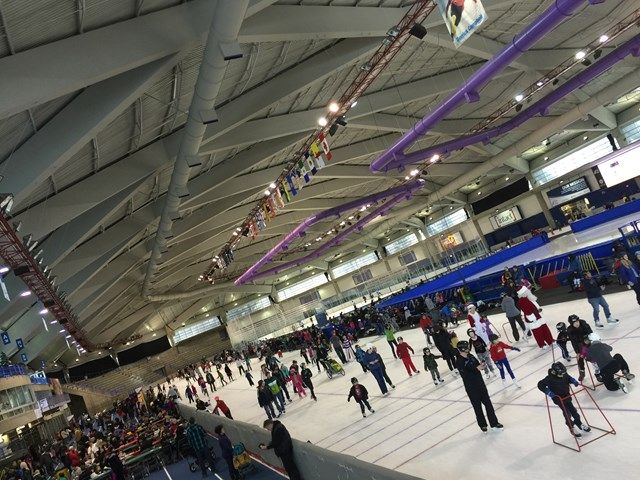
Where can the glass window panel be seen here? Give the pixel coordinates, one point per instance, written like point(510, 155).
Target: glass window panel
point(446, 222)
point(194, 329)
point(301, 287)
point(401, 243)
point(354, 264)
point(248, 308)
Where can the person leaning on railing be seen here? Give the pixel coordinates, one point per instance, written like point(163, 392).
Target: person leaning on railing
point(282, 447)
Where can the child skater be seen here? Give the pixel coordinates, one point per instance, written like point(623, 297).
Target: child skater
point(561, 340)
point(431, 365)
point(480, 346)
point(402, 350)
point(249, 377)
point(296, 380)
point(499, 357)
point(556, 386)
point(360, 394)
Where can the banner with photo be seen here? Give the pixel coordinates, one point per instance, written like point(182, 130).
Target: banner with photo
point(462, 17)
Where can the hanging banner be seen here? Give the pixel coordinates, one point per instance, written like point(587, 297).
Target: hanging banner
point(5, 338)
point(23, 357)
point(5, 293)
point(462, 17)
point(325, 147)
point(19, 343)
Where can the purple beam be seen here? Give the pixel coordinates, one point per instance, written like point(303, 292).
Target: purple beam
point(541, 107)
point(406, 189)
point(468, 91)
point(359, 225)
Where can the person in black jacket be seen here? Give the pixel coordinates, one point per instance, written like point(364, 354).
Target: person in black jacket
point(282, 446)
point(470, 370)
point(227, 452)
point(306, 380)
point(577, 330)
point(442, 341)
point(556, 386)
point(593, 288)
point(265, 400)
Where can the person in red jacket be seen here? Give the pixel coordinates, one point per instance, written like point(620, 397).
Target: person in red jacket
point(402, 350)
point(74, 457)
point(426, 324)
point(534, 320)
point(223, 407)
point(499, 357)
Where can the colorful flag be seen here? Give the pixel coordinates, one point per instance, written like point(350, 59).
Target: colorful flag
point(304, 172)
point(315, 149)
point(277, 198)
point(253, 229)
point(462, 18)
point(311, 166)
point(260, 220)
point(325, 147)
point(292, 185)
point(320, 161)
point(284, 193)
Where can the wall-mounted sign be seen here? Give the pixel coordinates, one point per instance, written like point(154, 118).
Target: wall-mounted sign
point(6, 340)
point(451, 240)
point(462, 18)
point(569, 191)
point(24, 358)
point(505, 217)
point(19, 343)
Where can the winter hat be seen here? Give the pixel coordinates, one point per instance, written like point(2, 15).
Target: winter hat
point(369, 346)
point(470, 305)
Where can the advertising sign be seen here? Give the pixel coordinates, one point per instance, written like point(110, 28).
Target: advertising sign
point(462, 17)
point(505, 217)
point(5, 338)
point(451, 240)
point(568, 191)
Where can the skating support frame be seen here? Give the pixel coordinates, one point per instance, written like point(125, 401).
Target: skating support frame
point(594, 383)
point(579, 446)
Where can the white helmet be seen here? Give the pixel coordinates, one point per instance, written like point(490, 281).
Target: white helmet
point(594, 337)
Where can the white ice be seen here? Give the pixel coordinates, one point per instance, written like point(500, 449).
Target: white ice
point(430, 431)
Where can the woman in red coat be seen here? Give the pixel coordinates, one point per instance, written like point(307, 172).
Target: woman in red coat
point(534, 320)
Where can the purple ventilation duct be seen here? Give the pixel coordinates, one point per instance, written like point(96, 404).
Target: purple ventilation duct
point(541, 107)
point(398, 193)
point(468, 92)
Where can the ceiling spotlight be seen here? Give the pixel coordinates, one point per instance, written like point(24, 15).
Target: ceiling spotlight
point(603, 38)
point(26, 293)
point(586, 137)
point(267, 193)
point(479, 193)
point(450, 208)
point(506, 179)
point(519, 97)
point(580, 54)
point(435, 158)
point(407, 177)
point(235, 234)
point(546, 159)
point(4, 269)
point(334, 107)
point(414, 172)
point(44, 311)
point(322, 121)
point(354, 104)
point(238, 229)
point(62, 330)
point(540, 83)
point(350, 217)
point(272, 185)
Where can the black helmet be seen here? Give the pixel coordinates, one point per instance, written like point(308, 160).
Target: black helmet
point(493, 337)
point(573, 317)
point(558, 369)
point(561, 326)
point(470, 331)
point(463, 346)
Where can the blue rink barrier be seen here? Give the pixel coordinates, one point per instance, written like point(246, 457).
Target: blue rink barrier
point(606, 216)
point(458, 276)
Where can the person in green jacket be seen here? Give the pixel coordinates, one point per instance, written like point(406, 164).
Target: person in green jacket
point(391, 339)
point(278, 397)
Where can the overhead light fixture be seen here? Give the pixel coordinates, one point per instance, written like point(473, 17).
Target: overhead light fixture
point(354, 104)
point(6, 203)
point(415, 172)
point(603, 38)
point(44, 311)
point(407, 177)
point(272, 185)
point(4, 269)
point(540, 83)
point(506, 179)
point(518, 107)
point(546, 159)
point(580, 54)
point(267, 193)
point(479, 193)
point(77, 359)
point(519, 97)
point(26, 293)
point(235, 234)
point(450, 208)
point(62, 330)
point(334, 107)
point(586, 62)
point(322, 121)
point(53, 322)
point(434, 158)
point(586, 137)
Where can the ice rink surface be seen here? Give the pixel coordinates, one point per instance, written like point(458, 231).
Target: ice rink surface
point(431, 432)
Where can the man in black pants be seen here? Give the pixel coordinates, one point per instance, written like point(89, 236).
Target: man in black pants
point(282, 446)
point(336, 342)
point(600, 354)
point(442, 341)
point(470, 370)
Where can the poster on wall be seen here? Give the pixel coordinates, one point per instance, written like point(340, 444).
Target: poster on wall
point(623, 166)
point(569, 191)
point(506, 217)
point(451, 240)
point(462, 18)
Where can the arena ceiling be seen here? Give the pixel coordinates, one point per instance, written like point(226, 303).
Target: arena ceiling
point(95, 94)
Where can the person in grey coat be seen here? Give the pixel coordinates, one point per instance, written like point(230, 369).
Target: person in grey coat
point(513, 315)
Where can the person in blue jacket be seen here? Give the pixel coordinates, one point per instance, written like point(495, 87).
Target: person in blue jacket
point(628, 274)
point(360, 358)
point(374, 364)
point(227, 452)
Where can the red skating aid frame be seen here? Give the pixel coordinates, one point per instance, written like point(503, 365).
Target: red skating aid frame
point(593, 380)
point(578, 447)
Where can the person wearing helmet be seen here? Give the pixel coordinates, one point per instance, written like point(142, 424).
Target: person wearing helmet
point(534, 320)
point(442, 341)
point(431, 364)
point(561, 340)
point(514, 315)
point(482, 352)
point(594, 289)
point(576, 331)
point(599, 353)
point(360, 395)
point(556, 385)
point(470, 370)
